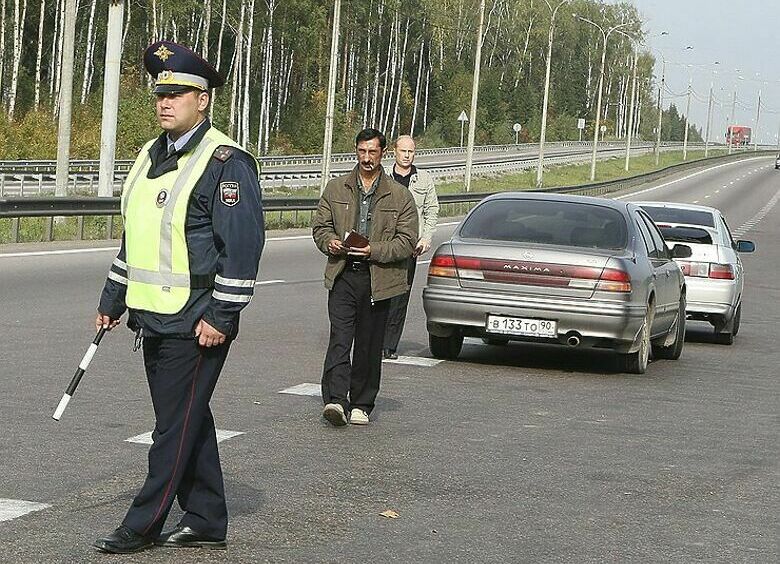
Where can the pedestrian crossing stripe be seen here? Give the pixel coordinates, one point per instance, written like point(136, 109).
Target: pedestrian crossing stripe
point(146, 438)
point(13, 508)
point(414, 361)
point(305, 389)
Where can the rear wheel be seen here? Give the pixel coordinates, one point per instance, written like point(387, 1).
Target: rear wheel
point(737, 319)
point(637, 361)
point(673, 351)
point(446, 348)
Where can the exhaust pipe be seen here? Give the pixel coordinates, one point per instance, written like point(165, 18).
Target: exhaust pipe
point(573, 339)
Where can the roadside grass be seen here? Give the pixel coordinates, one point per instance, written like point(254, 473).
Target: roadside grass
point(94, 228)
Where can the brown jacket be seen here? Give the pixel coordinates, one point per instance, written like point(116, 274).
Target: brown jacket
point(393, 234)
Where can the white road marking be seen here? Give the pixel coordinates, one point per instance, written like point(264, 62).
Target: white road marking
point(756, 219)
point(449, 223)
point(717, 191)
point(13, 508)
point(414, 361)
point(707, 196)
point(266, 282)
point(60, 252)
point(305, 389)
point(652, 188)
point(696, 201)
point(146, 438)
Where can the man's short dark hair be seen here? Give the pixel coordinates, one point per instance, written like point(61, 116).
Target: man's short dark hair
point(368, 134)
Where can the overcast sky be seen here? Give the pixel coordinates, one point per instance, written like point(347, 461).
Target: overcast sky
point(739, 34)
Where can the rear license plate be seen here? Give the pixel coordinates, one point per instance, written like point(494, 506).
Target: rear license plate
point(521, 326)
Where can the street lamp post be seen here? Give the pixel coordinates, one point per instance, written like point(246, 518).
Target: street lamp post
point(758, 116)
point(687, 121)
point(543, 133)
point(631, 110)
point(605, 33)
point(474, 96)
point(661, 87)
point(731, 123)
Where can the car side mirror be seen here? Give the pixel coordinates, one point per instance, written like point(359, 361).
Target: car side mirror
point(681, 251)
point(745, 246)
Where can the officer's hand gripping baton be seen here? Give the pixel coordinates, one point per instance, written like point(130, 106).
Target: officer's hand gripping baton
point(83, 365)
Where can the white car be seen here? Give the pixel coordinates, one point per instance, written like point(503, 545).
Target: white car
point(714, 273)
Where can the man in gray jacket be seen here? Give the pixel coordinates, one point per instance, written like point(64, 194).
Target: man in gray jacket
point(420, 184)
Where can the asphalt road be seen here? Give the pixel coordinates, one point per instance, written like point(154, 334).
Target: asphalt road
point(524, 453)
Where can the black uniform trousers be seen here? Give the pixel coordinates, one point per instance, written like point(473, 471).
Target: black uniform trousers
point(184, 460)
point(354, 319)
point(396, 317)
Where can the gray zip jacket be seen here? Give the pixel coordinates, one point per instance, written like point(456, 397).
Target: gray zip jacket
point(425, 199)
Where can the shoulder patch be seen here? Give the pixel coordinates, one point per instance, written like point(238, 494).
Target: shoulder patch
point(229, 193)
point(223, 153)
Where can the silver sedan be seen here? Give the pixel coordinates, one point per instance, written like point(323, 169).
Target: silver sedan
point(576, 271)
point(714, 271)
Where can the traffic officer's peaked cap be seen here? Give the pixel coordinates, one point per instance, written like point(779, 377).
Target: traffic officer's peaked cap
point(177, 68)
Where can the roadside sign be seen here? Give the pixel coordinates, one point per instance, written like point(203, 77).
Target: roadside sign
point(517, 128)
point(581, 123)
point(462, 118)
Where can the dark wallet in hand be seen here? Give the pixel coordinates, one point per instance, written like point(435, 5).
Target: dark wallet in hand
point(355, 240)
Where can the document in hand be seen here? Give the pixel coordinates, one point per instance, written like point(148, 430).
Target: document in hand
point(355, 240)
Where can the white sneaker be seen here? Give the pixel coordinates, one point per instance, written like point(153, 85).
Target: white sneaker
point(358, 417)
point(334, 413)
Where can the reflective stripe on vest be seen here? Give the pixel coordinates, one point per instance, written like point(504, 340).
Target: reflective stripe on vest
point(155, 214)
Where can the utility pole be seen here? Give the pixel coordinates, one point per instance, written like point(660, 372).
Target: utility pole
point(630, 131)
point(66, 99)
point(687, 121)
point(731, 125)
point(709, 119)
point(660, 112)
point(116, 10)
point(543, 134)
point(758, 115)
point(327, 143)
point(474, 97)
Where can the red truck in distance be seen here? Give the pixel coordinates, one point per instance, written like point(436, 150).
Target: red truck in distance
point(738, 135)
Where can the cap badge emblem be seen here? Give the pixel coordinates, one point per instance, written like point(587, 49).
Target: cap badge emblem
point(164, 75)
point(163, 53)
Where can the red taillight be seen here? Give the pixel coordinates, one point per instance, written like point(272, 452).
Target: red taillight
point(721, 271)
point(695, 269)
point(442, 265)
point(614, 280)
point(707, 270)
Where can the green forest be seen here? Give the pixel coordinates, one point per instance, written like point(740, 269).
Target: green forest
point(403, 67)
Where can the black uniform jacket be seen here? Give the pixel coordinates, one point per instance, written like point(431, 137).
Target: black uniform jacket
point(224, 238)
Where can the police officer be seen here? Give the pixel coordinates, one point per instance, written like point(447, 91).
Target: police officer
point(187, 266)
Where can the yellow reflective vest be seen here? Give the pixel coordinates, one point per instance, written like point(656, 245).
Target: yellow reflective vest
point(154, 211)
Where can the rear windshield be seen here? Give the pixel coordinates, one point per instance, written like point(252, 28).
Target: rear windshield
point(675, 215)
point(686, 235)
point(548, 222)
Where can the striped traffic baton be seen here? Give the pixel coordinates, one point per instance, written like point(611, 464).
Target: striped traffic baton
point(83, 365)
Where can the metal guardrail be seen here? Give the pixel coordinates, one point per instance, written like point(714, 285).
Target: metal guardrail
point(28, 178)
point(17, 208)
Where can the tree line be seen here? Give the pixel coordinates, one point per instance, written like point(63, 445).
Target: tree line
point(404, 67)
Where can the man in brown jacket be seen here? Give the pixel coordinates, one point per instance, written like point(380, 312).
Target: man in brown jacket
point(361, 279)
